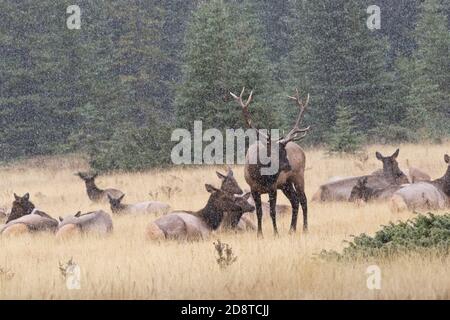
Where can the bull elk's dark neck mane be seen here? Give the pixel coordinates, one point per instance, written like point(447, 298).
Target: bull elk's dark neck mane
point(93, 191)
point(211, 214)
point(265, 181)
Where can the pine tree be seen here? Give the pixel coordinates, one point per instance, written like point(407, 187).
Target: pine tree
point(429, 108)
point(343, 137)
point(223, 53)
point(342, 63)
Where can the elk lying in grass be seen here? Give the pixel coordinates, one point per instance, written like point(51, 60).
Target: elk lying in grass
point(424, 195)
point(415, 174)
point(340, 190)
point(96, 222)
point(93, 192)
point(20, 207)
point(148, 207)
point(290, 160)
point(363, 192)
point(187, 225)
point(37, 221)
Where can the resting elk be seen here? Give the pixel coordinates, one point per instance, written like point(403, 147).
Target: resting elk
point(291, 166)
point(93, 192)
point(96, 222)
point(341, 189)
point(148, 207)
point(424, 195)
point(187, 225)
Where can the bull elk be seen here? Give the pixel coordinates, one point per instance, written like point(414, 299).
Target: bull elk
point(94, 193)
point(291, 166)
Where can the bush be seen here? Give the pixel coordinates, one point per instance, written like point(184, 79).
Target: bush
point(424, 232)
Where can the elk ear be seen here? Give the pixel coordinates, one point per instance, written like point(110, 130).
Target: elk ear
point(230, 172)
point(211, 189)
point(447, 158)
point(378, 155)
point(109, 197)
point(221, 176)
point(395, 155)
point(60, 219)
point(121, 197)
point(16, 197)
point(78, 214)
point(26, 196)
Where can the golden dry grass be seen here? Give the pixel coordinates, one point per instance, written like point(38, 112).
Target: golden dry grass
point(125, 266)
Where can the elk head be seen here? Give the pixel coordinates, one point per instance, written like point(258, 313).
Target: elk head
point(87, 177)
point(229, 183)
point(361, 191)
point(295, 134)
point(391, 169)
point(20, 207)
point(115, 202)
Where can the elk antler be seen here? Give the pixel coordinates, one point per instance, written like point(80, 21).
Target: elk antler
point(296, 132)
point(245, 111)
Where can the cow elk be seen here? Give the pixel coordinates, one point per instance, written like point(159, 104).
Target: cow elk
point(37, 221)
point(424, 195)
point(291, 166)
point(94, 193)
point(415, 174)
point(187, 225)
point(21, 206)
point(340, 189)
point(96, 222)
point(148, 207)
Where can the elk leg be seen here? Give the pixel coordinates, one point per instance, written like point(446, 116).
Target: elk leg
point(257, 198)
point(291, 194)
point(304, 203)
point(273, 210)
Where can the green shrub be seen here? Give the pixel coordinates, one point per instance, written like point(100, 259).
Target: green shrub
point(424, 232)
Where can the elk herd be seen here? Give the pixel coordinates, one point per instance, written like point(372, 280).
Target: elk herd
point(228, 207)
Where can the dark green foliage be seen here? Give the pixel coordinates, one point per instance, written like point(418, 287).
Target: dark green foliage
point(344, 138)
point(424, 232)
point(133, 149)
point(151, 65)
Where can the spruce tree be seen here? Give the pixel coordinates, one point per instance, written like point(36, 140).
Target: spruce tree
point(429, 108)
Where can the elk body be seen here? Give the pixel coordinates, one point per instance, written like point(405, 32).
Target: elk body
point(290, 160)
point(96, 222)
point(148, 207)
point(187, 225)
point(94, 193)
point(415, 174)
point(424, 195)
point(37, 221)
point(361, 191)
point(340, 190)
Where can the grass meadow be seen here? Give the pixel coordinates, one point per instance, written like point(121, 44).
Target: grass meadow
point(125, 265)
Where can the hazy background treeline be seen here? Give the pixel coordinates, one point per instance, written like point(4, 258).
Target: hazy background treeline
point(136, 70)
